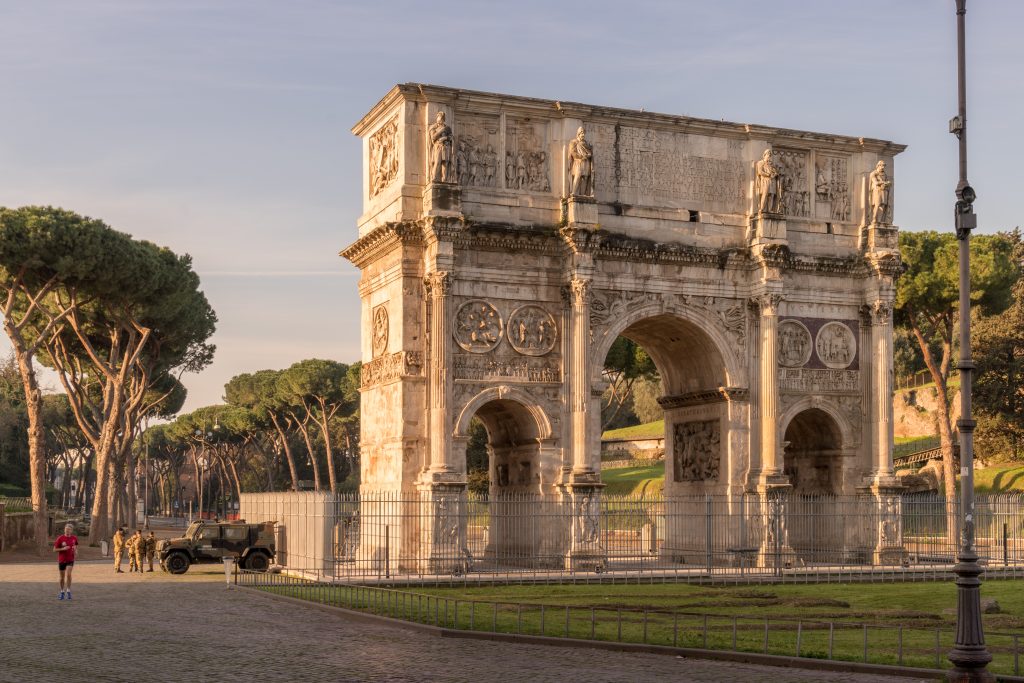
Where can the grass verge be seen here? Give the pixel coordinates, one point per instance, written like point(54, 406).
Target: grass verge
point(903, 624)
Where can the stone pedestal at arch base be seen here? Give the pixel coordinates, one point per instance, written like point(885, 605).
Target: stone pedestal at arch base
point(442, 517)
point(886, 499)
point(585, 553)
point(775, 551)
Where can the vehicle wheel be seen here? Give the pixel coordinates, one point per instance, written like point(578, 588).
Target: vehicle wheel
point(177, 563)
point(257, 562)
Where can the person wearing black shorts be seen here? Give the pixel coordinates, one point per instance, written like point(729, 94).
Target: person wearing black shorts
point(66, 547)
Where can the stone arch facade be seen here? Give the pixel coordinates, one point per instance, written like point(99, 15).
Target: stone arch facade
point(506, 242)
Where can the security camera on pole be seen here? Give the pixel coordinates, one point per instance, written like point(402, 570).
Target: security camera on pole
point(969, 656)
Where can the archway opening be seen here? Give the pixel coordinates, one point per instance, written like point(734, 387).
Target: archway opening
point(679, 402)
point(505, 518)
point(813, 463)
point(812, 453)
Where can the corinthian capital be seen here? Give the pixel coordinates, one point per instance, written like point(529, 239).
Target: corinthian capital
point(579, 291)
point(881, 312)
point(767, 303)
point(438, 283)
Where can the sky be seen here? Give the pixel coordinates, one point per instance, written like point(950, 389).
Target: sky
point(221, 129)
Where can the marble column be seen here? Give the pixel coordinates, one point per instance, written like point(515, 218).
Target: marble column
point(768, 397)
point(882, 371)
point(438, 285)
point(579, 374)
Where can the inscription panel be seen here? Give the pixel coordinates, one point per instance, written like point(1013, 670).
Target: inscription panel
point(661, 168)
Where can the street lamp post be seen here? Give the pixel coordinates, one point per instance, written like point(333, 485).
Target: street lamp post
point(969, 655)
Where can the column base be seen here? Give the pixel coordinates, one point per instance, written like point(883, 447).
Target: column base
point(585, 550)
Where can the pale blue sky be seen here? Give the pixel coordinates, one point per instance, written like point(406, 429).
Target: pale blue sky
point(221, 128)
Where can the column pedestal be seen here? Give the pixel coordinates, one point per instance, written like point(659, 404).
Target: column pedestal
point(581, 212)
point(586, 553)
point(442, 199)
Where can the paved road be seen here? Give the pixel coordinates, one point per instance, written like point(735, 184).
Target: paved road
point(154, 627)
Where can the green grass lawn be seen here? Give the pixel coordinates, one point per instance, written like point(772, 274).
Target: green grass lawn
point(1008, 478)
point(624, 481)
point(904, 619)
point(649, 430)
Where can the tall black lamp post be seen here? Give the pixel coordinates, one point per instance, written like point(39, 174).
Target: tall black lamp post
point(969, 655)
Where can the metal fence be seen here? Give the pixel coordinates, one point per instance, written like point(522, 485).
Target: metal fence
point(895, 645)
point(427, 536)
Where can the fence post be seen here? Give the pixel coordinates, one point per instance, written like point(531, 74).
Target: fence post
point(865, 642)
point(593, 623)
point(707, 531)
point(542, 619)
point(799, 636)
point(566, 621)
point(831, 637)
point(766, 635)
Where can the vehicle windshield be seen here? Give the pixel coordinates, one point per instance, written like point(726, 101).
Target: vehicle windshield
point(192, 529)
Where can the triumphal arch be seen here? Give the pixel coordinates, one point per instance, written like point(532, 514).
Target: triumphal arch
point(506, 242)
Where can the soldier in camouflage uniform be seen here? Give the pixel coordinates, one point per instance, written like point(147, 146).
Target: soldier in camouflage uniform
point(118, 549)
point(150, 548)
point(129, 547)
point(139, 547)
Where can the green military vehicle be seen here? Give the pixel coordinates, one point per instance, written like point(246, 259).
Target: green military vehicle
point(207, 542)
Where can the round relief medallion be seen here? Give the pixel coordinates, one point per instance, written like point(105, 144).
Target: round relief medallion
point(380, 331)
point(478, 326)
point(794, 344)
point(531, 330)
point(835, 345)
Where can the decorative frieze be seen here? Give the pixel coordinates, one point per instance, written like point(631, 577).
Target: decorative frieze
point(522, 369)
point(806, 380)
point(390, 368)
point(700, 398)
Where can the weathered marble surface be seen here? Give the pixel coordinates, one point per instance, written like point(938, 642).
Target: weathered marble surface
point(506, 242)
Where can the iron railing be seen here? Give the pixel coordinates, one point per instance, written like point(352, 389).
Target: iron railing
point(387, 536)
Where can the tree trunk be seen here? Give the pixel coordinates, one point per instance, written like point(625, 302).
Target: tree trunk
point(939, 372)
point(36, 450)
point(312, 455)
point(327, 448)
point(287, 452)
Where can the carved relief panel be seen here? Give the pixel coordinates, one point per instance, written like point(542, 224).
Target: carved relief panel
point(832, 188)
point(835, 345)
point(383, 153)
point(796, 195)
point(526, 156)
point(531, 333)
point(478, 326)
point(476, 152)
point(531, 330)
point(794, 344)
point(696, 451)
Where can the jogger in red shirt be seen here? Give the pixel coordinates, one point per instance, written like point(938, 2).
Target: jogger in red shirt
point(66, 547)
